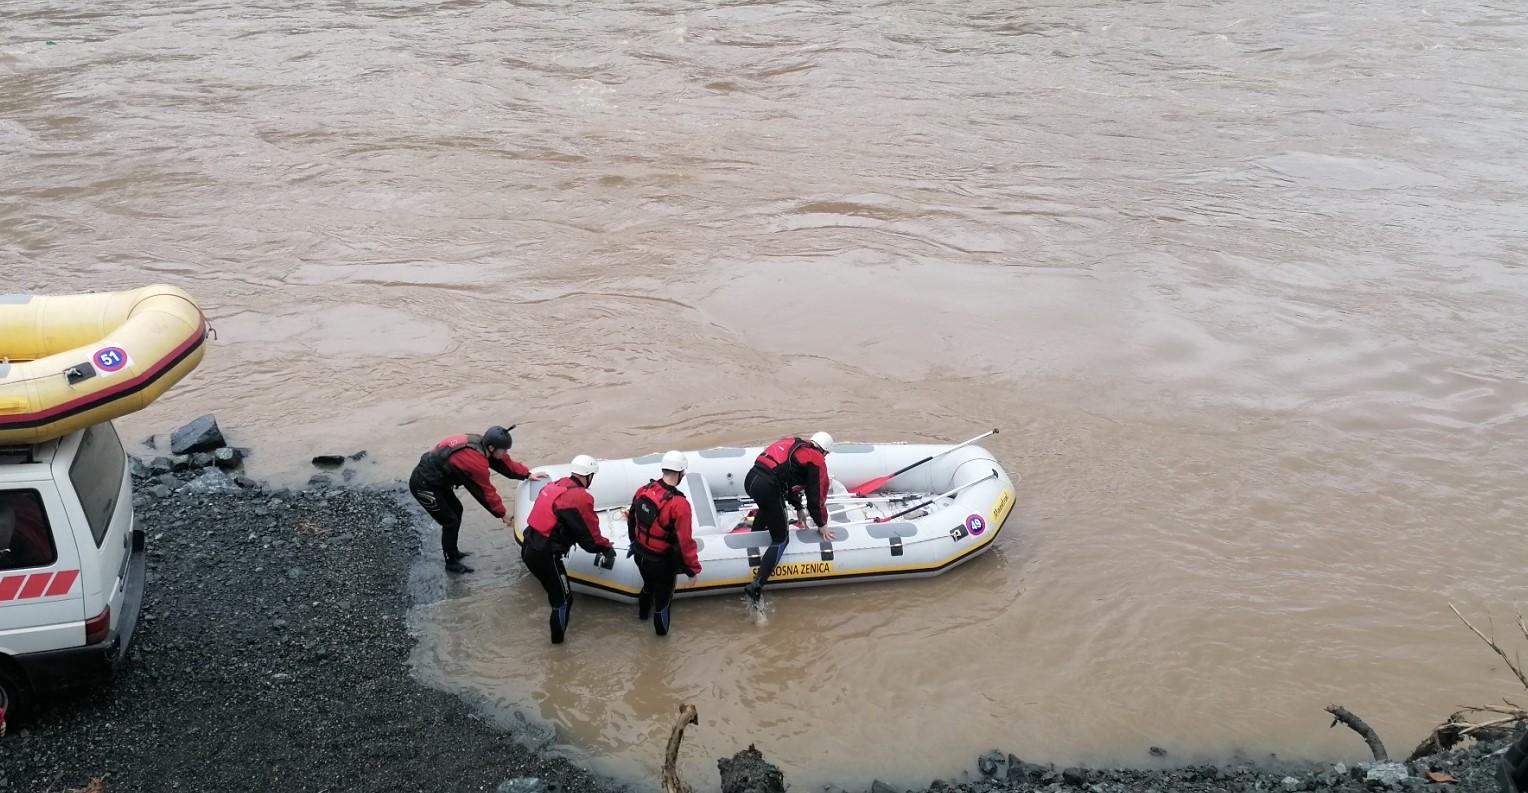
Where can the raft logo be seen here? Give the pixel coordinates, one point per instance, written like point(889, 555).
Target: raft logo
point(110, 359)
point(1004, 504)
point(801, 569)
point(976, 524)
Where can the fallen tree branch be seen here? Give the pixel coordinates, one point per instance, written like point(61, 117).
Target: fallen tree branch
point(1341, 714)
point(1516, 670)
point(1448, 734)
point(671, 781)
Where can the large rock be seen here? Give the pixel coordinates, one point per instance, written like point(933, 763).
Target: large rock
point(201, 460)
point(138, 469)
point(329, 461)
point(1386, 775)
point(212, 480)
point(747, 772)
point(201, 435)
point(993, 764)
point(227, 458)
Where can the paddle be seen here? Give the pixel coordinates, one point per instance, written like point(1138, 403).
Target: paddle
point(945, 494)
point(879, 482)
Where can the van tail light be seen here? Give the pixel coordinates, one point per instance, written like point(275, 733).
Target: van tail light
point(97, 627)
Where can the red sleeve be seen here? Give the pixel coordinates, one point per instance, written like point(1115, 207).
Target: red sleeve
point(682, 526)
point(822, 490)
point(508, 467)
point(817, 491)
point(475, 466)
point(584, 503)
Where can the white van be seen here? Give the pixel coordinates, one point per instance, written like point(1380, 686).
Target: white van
point(71, 564)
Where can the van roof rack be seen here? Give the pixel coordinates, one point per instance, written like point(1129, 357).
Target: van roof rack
point(17, 454)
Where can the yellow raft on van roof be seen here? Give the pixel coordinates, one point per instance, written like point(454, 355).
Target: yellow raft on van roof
point(70, 361)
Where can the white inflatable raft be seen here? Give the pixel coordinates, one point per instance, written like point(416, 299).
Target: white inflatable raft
point(872, 541)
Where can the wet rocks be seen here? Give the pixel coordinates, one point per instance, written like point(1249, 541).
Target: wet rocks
point(524, 784)
point(993, 764)
point(191, 466)
point(328, 461)
point(201, 435)
point(748, 772)
point(881, 787)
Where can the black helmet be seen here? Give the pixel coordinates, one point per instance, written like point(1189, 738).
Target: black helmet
point(498, 438)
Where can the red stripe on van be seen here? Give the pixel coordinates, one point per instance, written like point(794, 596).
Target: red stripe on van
point(62, 583)
point(36, 583)
point(9, 586)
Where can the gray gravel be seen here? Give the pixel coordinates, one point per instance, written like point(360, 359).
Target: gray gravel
point(272, 655)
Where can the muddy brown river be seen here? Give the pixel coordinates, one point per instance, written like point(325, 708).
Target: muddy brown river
point(1242, 283)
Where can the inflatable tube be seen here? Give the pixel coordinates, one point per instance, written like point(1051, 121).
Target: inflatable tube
point(925, 542)
point(70, 361)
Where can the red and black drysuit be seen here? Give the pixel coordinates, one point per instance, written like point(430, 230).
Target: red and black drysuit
point(788, 463)
point(459, 461)
point(562, 517)
point(658, 524)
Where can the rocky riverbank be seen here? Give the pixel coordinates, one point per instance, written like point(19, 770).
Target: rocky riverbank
point(273, 655)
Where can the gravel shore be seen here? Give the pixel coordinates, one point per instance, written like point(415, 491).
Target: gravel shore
point(273, 655)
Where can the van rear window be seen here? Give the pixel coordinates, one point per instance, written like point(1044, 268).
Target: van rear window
point(97, 476)
point(25, 539)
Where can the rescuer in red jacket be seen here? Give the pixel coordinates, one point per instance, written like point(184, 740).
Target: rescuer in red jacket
point(464, 461)
point(787, 464)
point(658, 524)
point(562, 517)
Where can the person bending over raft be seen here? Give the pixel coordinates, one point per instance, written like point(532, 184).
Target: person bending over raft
point(788, 463)
point(464, 461)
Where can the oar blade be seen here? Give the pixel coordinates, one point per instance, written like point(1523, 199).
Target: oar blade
point(872, 486)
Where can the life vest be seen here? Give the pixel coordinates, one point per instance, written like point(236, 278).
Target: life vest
point(780, 459)
point(437, 460)
point(543, 519)
point(646, 507)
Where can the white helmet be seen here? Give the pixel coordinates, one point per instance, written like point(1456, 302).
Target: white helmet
point(675, 461)
point(823, 441)
point(584, 465)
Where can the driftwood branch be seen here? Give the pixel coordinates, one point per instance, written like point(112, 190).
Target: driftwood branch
point(1516, 669)
point(671, 781)
point(1448, 734)
point(1341, 714)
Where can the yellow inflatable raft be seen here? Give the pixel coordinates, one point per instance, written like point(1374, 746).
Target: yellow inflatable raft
point(70, 361)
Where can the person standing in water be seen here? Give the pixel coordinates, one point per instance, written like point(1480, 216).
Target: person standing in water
point(658, 524)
